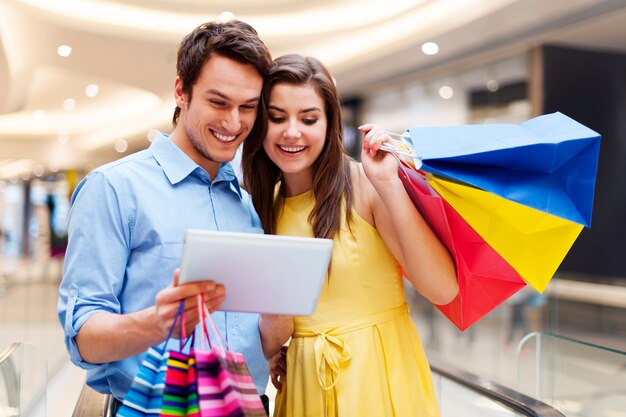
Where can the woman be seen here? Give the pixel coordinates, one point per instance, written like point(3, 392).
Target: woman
point(359, 354)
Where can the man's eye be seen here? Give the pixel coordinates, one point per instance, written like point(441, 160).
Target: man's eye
point(217, 103)
point(249, 107)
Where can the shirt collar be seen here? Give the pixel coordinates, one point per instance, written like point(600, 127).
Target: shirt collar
point(177, 165)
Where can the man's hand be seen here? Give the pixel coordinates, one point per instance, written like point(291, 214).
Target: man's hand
point(168, 301)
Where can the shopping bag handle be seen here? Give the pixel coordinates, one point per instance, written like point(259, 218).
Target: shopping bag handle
point(202, 322)
point(180, 317)
point(203, 313)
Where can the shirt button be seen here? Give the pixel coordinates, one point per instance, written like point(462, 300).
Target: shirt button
point(72, 292)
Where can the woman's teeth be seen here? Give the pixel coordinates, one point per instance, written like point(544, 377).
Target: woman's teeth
point(291, 149)
point(224, 138)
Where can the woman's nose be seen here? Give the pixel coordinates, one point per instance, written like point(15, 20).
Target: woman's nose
point(292, 132)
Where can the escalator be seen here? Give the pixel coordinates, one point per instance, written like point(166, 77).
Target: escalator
point(460, 393)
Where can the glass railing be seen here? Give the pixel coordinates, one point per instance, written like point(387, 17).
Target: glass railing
point(461, 393)
point(23, 381)
point(577, 378)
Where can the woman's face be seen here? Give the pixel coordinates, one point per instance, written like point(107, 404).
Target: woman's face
point(296, 132)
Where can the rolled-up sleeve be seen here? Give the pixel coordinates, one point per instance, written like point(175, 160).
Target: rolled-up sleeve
point(96, 257)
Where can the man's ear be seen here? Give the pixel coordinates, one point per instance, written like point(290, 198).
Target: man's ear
point(179, 95)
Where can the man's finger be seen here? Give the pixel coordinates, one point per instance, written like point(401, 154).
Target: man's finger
point(176, 274)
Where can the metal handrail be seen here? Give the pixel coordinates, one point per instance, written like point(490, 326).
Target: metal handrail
point(510, 398)
point(9, 373)
point(93, 404)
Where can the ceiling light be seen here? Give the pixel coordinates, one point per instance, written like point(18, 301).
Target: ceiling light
point(64, 51)
point(121, 145)
point(493, 85)
point(446, 92)
point(226, 16)
point(69, 104)
point(92, 90)
point(430, 48)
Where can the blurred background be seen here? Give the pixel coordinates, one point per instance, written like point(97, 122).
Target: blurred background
point(84, 82)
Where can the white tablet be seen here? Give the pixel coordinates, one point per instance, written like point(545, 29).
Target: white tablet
point(261, 273)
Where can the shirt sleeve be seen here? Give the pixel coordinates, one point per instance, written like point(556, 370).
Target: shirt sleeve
point(96, 258)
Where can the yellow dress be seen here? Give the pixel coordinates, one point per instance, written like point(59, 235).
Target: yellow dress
point(359, 354)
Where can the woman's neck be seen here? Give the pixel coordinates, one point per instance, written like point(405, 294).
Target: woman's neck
point(296, 184)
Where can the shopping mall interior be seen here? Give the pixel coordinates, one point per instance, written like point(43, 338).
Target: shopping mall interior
point(85, 83)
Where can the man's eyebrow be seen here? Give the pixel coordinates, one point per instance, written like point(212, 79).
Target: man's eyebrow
point(225, 97)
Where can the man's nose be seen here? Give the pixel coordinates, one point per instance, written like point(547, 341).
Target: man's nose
point(231, 121)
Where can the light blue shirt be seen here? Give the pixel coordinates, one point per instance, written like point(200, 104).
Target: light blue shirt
point(126, 230)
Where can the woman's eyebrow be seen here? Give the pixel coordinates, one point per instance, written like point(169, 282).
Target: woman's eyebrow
point(276, 108)
point(310, 109)
point(307, 110)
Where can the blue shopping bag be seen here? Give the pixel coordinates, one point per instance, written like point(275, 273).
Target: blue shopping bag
point(145, 396)
point(548, 163)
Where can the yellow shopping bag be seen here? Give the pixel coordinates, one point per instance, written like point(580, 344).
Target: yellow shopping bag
point(534, 243)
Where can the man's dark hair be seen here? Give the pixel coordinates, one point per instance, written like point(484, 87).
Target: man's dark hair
point(233, 39)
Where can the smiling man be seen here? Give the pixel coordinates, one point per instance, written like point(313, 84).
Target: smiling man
point(128, 218)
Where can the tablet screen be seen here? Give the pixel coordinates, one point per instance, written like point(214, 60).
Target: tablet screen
point(261, 273)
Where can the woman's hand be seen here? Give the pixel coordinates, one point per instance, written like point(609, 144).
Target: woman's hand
point(278, 368)
point(379, 166)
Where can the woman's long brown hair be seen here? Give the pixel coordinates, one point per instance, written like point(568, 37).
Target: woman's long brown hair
point(332, 180)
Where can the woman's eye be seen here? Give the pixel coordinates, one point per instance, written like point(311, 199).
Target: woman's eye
point(309, 121)
point(275, 119)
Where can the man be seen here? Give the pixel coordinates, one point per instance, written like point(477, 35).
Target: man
point(129, 217)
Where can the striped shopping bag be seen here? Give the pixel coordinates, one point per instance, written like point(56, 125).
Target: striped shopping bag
point(180, 394)
point(145, 395)
point(144, 398)
point(225, 387)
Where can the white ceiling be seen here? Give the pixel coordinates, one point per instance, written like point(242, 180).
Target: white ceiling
point(128, 49)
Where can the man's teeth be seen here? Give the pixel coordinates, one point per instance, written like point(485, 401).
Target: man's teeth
point(291, 149)
point(224, 138)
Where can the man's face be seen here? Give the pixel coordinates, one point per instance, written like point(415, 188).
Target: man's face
point(221, 112)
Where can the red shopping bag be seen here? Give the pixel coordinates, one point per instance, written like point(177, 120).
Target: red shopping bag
point(225, 387)
point(485, 279)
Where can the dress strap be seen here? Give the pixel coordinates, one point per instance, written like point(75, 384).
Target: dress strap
point(331, 350)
